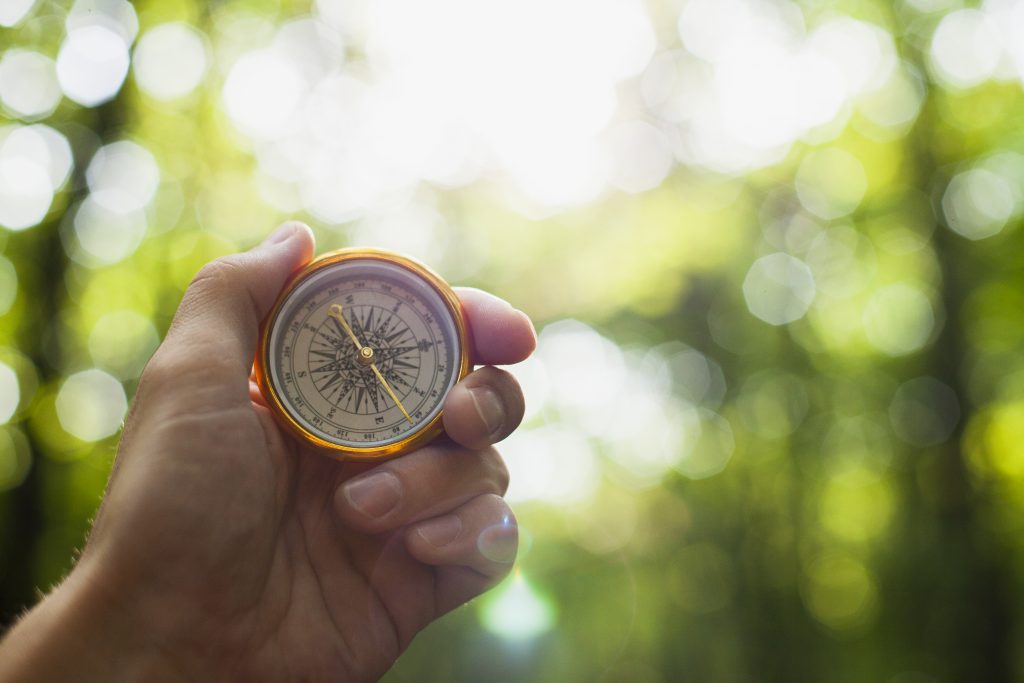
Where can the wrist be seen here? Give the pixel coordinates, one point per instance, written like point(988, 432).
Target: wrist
point(82, 632)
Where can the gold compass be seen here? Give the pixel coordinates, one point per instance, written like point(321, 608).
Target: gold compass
point(360, 352)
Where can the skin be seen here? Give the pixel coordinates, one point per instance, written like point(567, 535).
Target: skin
point(225, 550)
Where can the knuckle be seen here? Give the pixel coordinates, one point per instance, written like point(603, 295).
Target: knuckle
point(216, 279)
point(218, 273)
point(495, 377)
point(171, 370)
point(158, 371)
point(226, 277)
point(501, 509)
point(497, 475)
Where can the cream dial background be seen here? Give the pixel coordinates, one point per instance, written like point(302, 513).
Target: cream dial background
point(313, 361)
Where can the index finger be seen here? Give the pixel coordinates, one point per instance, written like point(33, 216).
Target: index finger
point(499, 334)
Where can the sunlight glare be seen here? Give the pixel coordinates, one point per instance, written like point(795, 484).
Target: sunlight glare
point(556, 465)
point(263, 94)
point(516, 611)
point(532, 119)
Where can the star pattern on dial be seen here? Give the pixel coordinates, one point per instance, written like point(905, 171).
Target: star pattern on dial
point(366, 360)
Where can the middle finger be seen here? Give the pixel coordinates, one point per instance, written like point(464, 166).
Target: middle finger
point(429, 482)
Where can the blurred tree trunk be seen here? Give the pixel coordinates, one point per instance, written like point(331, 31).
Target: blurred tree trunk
point(952, 599)
point(42, 341)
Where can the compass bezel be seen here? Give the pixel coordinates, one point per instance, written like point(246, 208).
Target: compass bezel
point(272, 392)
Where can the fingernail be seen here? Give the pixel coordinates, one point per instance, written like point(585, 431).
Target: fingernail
point(489, 407)
point(442, 531)
point(375, 495)
point(499, 543)
point(282, 234)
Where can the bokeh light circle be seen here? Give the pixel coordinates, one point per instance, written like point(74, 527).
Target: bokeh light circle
point(779, 288)
point(34, 162)
point(170, 61)
point(41, 145)
point(15, 458)
point(856, 504)
point(840, 591)
point(896, 104)
point(25, 193)
point(756, 80)
point(8, 285)
point(10, 393)
point(28, 84)
point(711, 447)
point(263, 93)
point(773, 403)
point(569, 351)
point(13, 11)
point(831, 183)
point(899, 319)
point(696, 377)
point(642, 156)
point(965, 49)
point(125, 168)
point(924, 411)
point(553, 464)
point(978, 203)
point(516, 611)
point(91, 404)
point(48, 146)
point(92, 64)
point(864, 53)
point(108, 228)
point(117, 15)
point(121, 342)
point(843, 261)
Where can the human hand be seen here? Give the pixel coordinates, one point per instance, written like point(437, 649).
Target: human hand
point(225, 550)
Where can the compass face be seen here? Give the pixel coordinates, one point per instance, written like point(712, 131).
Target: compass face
point(362, 353)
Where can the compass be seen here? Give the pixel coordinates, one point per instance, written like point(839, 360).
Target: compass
point(360, 351)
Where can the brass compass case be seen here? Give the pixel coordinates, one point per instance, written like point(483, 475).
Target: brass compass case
point(323, 355)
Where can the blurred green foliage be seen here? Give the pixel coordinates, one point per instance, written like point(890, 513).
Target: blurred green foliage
point(776, 420)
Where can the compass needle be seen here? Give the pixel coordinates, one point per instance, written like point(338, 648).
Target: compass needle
point(387, 387)
point(335, 313)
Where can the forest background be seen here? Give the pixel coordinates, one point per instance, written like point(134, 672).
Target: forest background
point(775, 423)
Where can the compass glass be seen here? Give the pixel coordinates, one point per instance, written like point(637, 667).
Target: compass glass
point(363, 352)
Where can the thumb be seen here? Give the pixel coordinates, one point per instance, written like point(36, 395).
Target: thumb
point(219, 316)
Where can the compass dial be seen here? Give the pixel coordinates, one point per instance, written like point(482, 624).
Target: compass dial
point(361, 351)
